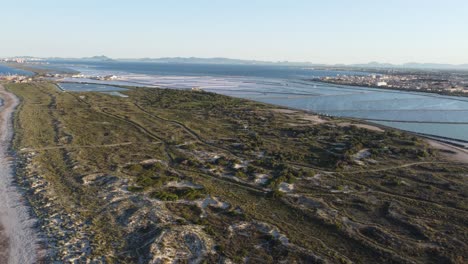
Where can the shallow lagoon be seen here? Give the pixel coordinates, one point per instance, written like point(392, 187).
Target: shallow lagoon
point(445, 116)
point(5, 70)
point(433, 114)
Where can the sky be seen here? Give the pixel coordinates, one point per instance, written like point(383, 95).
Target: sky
point(326, 31)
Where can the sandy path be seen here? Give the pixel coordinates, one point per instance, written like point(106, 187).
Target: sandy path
point(18, 237)
point(451, 152)
point(76, 147)
point(4, 246)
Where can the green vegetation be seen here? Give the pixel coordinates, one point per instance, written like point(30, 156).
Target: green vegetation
point(179, 147)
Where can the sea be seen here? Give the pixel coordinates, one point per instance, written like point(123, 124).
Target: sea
point(291, 86)
point(5, 70)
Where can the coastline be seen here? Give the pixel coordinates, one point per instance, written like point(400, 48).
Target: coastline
point(453, 142)
point(462, 95)
point(456, 144)
point(15, 217)
point(76, 239)
point(452, 149)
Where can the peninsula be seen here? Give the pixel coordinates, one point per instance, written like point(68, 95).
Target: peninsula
point(161, 175)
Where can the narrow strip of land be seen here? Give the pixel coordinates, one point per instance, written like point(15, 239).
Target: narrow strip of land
point(17, 238)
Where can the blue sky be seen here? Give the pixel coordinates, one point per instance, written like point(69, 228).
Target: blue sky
point(327, 31)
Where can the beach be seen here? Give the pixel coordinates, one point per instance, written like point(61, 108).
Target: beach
point(17, 237)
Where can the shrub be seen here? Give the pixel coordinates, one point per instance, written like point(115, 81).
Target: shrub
point(135, 188)
point(135, 168)
point(241, 174)
point(164, 196)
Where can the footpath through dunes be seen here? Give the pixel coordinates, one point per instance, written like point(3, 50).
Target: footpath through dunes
point(17, 237)
point(4, 247)
point(185, 176)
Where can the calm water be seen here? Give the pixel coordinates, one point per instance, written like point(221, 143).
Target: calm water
point(84, 87)
point(177, 69)
point(444, 116)
point(5, 70)
point(418, 112)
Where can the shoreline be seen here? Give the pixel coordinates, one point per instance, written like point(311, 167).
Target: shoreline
point(453, 142)
point(103, 177)
point(454, 149)
point(462, 95)
point(15, 216)
point(457, 143)
point(396, 121)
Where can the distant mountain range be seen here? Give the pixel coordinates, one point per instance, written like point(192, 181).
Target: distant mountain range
point(195, 60)
point(218, 61)
point(410, 65)
point(94, 58)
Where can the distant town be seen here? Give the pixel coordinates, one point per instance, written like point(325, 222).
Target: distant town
point(442, 81)
point(426, 81)
point(114, 173)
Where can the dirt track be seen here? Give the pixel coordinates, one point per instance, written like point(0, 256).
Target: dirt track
point(17, 237)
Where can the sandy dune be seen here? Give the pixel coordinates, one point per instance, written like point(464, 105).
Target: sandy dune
point(449, 151)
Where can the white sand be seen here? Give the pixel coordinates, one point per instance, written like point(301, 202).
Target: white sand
point(368, 127)
point(449, 151)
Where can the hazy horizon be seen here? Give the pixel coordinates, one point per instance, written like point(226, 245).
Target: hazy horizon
point(246, 60)
point(329, 32)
